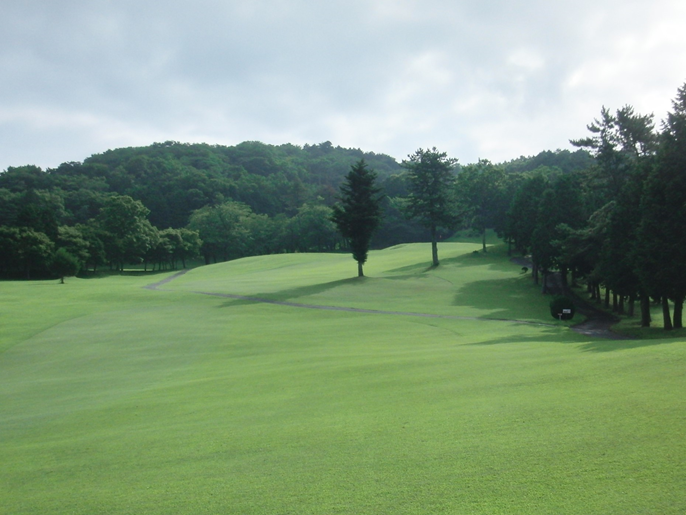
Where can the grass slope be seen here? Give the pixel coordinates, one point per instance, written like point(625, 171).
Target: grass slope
point(116, 399)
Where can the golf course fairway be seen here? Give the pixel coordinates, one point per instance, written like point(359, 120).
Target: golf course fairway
point(230, 389)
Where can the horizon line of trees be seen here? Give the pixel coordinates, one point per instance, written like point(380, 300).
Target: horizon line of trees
point(161, 205)
point(610, 214)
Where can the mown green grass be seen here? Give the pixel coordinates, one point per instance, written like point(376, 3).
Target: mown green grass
point(467, 283)
point(116, 399)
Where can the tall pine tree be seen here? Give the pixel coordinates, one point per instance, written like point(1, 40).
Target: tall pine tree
point(662, 249)
point(432, 199)
point(358, 214)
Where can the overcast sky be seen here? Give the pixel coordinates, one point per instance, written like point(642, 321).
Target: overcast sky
point(490, 79)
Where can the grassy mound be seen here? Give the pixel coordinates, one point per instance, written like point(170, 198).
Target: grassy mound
point(117, 399)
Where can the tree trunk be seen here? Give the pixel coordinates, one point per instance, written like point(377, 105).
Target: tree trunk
point(645, 310)
point(360, 273)
point(598, 297)
point(563, 276)
point(483, 240)
point(620, 305)
point(632, 302)
point(62, 280)
point(665, 314)
point(678, 310)
point(615, 302)
point(534, 272)
point(607, 298)
point(544, 290)
point(434, 246)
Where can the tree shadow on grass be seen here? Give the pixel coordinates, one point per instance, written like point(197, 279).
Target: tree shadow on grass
point(289, 295)
point(410, 270)
point(544, 335)
point(615, 345)
point(566, 336)
point(511, 298)
point(493, 260)
point(464, 260)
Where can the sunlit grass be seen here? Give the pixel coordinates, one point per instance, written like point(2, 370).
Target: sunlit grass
point(117, 399)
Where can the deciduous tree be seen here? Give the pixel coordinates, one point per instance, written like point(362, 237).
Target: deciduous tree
point(128, 233)
point(65, 264)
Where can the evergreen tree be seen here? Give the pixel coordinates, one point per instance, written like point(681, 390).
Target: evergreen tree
point(358, 214)
point(431, 200)
point(523, 211)
point(619, 142)
point(559, 210)
point(662, 248)
point(480, 190)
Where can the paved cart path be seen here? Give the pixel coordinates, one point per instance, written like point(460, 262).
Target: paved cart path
point(598, 323)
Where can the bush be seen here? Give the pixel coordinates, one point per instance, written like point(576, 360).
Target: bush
point(562, 308)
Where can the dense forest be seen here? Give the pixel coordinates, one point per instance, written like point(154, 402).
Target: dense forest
point(162, 204)
point(610, 213)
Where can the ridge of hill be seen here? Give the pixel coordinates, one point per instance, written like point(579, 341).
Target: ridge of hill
point(173, 179)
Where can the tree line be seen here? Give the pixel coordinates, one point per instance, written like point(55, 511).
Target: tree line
point(617, 223)
point(160, 205)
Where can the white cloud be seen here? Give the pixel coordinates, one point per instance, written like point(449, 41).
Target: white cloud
point(492, 79)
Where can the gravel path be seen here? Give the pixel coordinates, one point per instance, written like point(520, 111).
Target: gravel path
point(156, 286)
